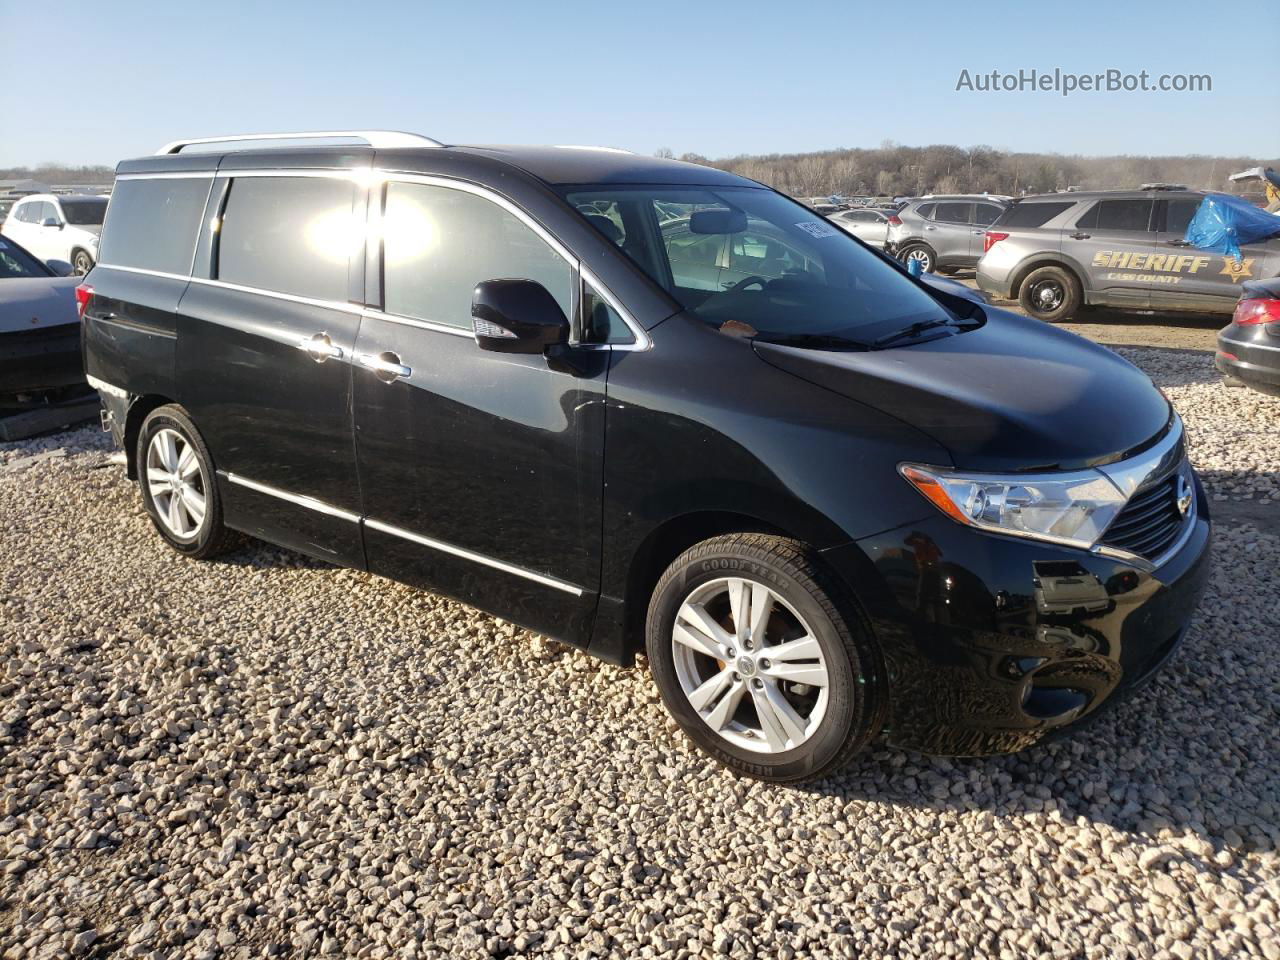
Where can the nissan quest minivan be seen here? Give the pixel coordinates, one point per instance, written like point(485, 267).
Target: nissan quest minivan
point(642, 405)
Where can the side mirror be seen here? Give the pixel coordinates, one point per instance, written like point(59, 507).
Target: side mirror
point(517, 316)
point(51, 222)
point(60, 267)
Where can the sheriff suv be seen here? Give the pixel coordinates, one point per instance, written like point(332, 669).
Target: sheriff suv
point(1125, 249)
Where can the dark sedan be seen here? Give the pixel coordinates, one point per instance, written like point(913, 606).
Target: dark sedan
point(1249, 347)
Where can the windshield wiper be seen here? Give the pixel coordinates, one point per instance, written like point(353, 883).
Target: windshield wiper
point(908, 333)
point(817, 341)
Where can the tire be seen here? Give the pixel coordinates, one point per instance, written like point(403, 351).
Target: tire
point(81, 263)
point(186, 469)
point(833, 687)
point(1051, 294)
point(922, 252)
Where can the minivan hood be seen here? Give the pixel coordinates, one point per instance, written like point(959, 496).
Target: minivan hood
point(1015, 394)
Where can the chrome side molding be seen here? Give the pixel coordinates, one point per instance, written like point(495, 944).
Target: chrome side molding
point(329, 509)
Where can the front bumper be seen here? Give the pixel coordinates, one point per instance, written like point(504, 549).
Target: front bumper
point(991, 643)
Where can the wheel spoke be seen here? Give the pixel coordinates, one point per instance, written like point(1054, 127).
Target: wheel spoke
point(695, 614)
point(168, 450)
point(194, 502)
point(805, 648)
point(176, 522)
point(156, 475)
point(811, 673)
point(187, 462)
point(761, 609)
point(738, 606)
point(695, 639)
point(778, 720)
point(728, 705)
point(159, 490)
point(706, 693)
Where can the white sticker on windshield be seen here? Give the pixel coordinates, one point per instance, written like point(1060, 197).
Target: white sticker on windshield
point(817, 230)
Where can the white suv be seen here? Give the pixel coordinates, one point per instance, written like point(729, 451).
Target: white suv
point(55, 227)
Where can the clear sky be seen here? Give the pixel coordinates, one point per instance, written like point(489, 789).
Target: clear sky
point(116, 79)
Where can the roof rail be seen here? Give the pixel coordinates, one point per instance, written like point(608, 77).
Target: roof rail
point(378, 139)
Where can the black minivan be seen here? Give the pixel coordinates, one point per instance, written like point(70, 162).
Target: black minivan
point(641, 405)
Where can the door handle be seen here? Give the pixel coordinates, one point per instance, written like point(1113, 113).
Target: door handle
point(978, 233)
point(928, 227)
point(320, 348)
point(385, 366)
point(1079, 236)
point(1177, 243)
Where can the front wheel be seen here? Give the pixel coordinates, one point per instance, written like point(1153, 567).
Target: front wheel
point(179, 490)
point(81, 263)
point(757, 659)
point(1050, 294)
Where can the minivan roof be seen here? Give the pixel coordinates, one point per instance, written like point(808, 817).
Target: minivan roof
point(552, 164)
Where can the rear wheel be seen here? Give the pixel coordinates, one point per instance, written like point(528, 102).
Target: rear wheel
point(921, 253)
point(179, 490)
point(1050, 294)
point(757, 659)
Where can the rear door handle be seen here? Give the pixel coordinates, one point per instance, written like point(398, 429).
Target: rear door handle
point(320, 348)
point(1079, 236)
point(928, 227)
point(385, 366)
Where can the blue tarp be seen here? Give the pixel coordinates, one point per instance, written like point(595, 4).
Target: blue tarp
point(1223, 222)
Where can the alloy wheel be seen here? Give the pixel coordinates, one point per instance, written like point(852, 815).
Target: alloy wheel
point(176, 484)
point(749, 665)
point(921, 257)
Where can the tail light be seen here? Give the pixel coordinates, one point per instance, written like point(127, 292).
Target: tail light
point(83, 293)
point(1255, 311)
point(991, 238)
point(895, 221)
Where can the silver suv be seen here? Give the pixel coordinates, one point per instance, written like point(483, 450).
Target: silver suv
point(943, 232)
point(1057, 252)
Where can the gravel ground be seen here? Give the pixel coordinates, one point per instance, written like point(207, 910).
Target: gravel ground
point(268, 756)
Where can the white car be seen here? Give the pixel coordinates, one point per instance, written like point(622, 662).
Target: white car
point(869, 226)
point(58, 227)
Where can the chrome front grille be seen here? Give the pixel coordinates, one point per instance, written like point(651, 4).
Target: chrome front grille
point(1152, 521)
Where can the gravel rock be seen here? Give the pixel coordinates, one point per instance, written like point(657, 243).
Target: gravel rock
point(268, 756)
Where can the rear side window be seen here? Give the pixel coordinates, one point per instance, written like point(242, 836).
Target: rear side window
point(290, 235)
point(438, 243)
point(1033, 214)
point(152, 224)
point(1132, 215)
point(1178, 213)
point(925, 210)
point(952, 212)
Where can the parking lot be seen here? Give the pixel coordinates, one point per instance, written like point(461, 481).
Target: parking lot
point(265, 755)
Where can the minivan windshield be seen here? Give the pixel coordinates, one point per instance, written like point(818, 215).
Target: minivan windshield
point(773, 268)
point(84, 213)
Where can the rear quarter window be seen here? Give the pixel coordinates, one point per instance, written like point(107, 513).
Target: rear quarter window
point(153, 224)
point(1033, 214)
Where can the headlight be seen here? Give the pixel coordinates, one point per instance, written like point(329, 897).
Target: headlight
point(1071, 508)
